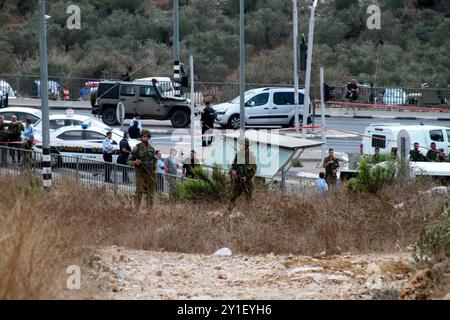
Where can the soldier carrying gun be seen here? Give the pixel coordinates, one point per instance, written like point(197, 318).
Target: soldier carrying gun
point(143, 158)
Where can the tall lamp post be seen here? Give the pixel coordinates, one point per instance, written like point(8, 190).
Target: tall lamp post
point(46, 158)
point(308, 66)
point(176, 49)
point(295, 45)
point(241, 72)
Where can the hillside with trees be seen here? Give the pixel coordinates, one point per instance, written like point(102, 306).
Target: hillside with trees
point(412, 46)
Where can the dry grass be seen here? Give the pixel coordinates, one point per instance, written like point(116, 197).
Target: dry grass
point(42, 233)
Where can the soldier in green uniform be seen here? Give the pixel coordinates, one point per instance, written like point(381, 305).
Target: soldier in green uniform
point(3, 142)
point(242, 173)
point(143, 158)
point(433, 153)
point(415, 154)
point(331, 165)
point(27, 146)
point(376, 157)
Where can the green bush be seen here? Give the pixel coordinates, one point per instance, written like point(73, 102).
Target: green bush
point(372, 178)
point(206, 185)
point(434, 242)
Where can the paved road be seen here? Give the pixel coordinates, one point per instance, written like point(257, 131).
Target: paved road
point(349, 145)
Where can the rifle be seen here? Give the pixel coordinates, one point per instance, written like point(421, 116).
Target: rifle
point(143, 166)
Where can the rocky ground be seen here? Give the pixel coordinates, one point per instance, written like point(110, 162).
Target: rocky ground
point(119, 273)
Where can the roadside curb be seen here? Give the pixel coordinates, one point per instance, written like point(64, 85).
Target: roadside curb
point(383, 117)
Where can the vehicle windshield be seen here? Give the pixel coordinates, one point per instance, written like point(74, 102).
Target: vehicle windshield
point(247, 96)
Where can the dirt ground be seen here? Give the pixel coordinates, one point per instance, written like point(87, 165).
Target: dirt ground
point(120, 273)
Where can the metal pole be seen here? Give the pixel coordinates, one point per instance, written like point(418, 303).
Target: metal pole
point(295, 45)
point(322, 113)
point(46, 158)
point(191, 65)
point(308, 66)
point(241, 71)
point(176, 48)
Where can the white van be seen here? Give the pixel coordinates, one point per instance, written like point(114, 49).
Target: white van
point(388, 136)
point(263, 107)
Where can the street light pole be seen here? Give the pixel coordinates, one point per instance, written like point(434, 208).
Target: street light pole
point(176, 49)
point(241, 72)
point(308, 66)
point(295, 45)
point(46, 158)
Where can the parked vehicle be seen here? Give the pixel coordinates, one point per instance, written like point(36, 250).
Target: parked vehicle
point(54, 89)
point(57, 121)
point(83, 141)
point(393, 96)
point(22, 113)
point(386, 136)
point(263, 107)
point(140, 97)
point(5, 88)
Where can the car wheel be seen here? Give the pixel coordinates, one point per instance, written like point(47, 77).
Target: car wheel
point(180, 119)
point(109, 117)
point(234, 122)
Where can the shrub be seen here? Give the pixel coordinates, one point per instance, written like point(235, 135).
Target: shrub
point(372, 179)
point(434, 242)
point(206, 185)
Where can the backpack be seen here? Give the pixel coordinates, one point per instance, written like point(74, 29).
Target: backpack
point(134, 131)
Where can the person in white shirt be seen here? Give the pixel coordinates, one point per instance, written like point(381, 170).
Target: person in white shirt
point(137, 117)
point(160, 166)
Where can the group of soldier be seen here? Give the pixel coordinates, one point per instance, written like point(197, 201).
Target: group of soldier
point(433, 154)
point(144, 159)
point(16, 135)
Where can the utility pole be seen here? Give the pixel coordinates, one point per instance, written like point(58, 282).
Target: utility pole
point(191, 67)
point(308, 66)
point(46, 158)
point(176, 49)
point(322, 113)
point(295, 45)
point(241, 72)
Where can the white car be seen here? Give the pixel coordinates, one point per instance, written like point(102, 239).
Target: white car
point(22, 114)
point(57, 121)
point(263, 107)
point(81, 141)
point(393, 96)
point(5, 88)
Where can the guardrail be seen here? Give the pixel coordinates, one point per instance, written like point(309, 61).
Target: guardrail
point(89, 173)
point(217, 92)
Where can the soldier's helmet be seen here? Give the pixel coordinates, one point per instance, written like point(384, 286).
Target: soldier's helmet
point(145, 132)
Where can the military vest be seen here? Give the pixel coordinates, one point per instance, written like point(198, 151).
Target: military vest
point(146, 155)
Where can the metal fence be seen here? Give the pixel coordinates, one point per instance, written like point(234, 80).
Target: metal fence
point(84, 172)
point(217, 92)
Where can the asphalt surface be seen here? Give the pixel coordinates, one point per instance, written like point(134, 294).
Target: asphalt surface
point(162, 136)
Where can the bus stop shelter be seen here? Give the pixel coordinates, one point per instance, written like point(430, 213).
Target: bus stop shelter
point(274, 153)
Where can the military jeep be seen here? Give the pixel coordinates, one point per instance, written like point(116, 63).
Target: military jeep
point(147, 99)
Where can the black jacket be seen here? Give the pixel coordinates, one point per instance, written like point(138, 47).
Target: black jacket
point(208, 117)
